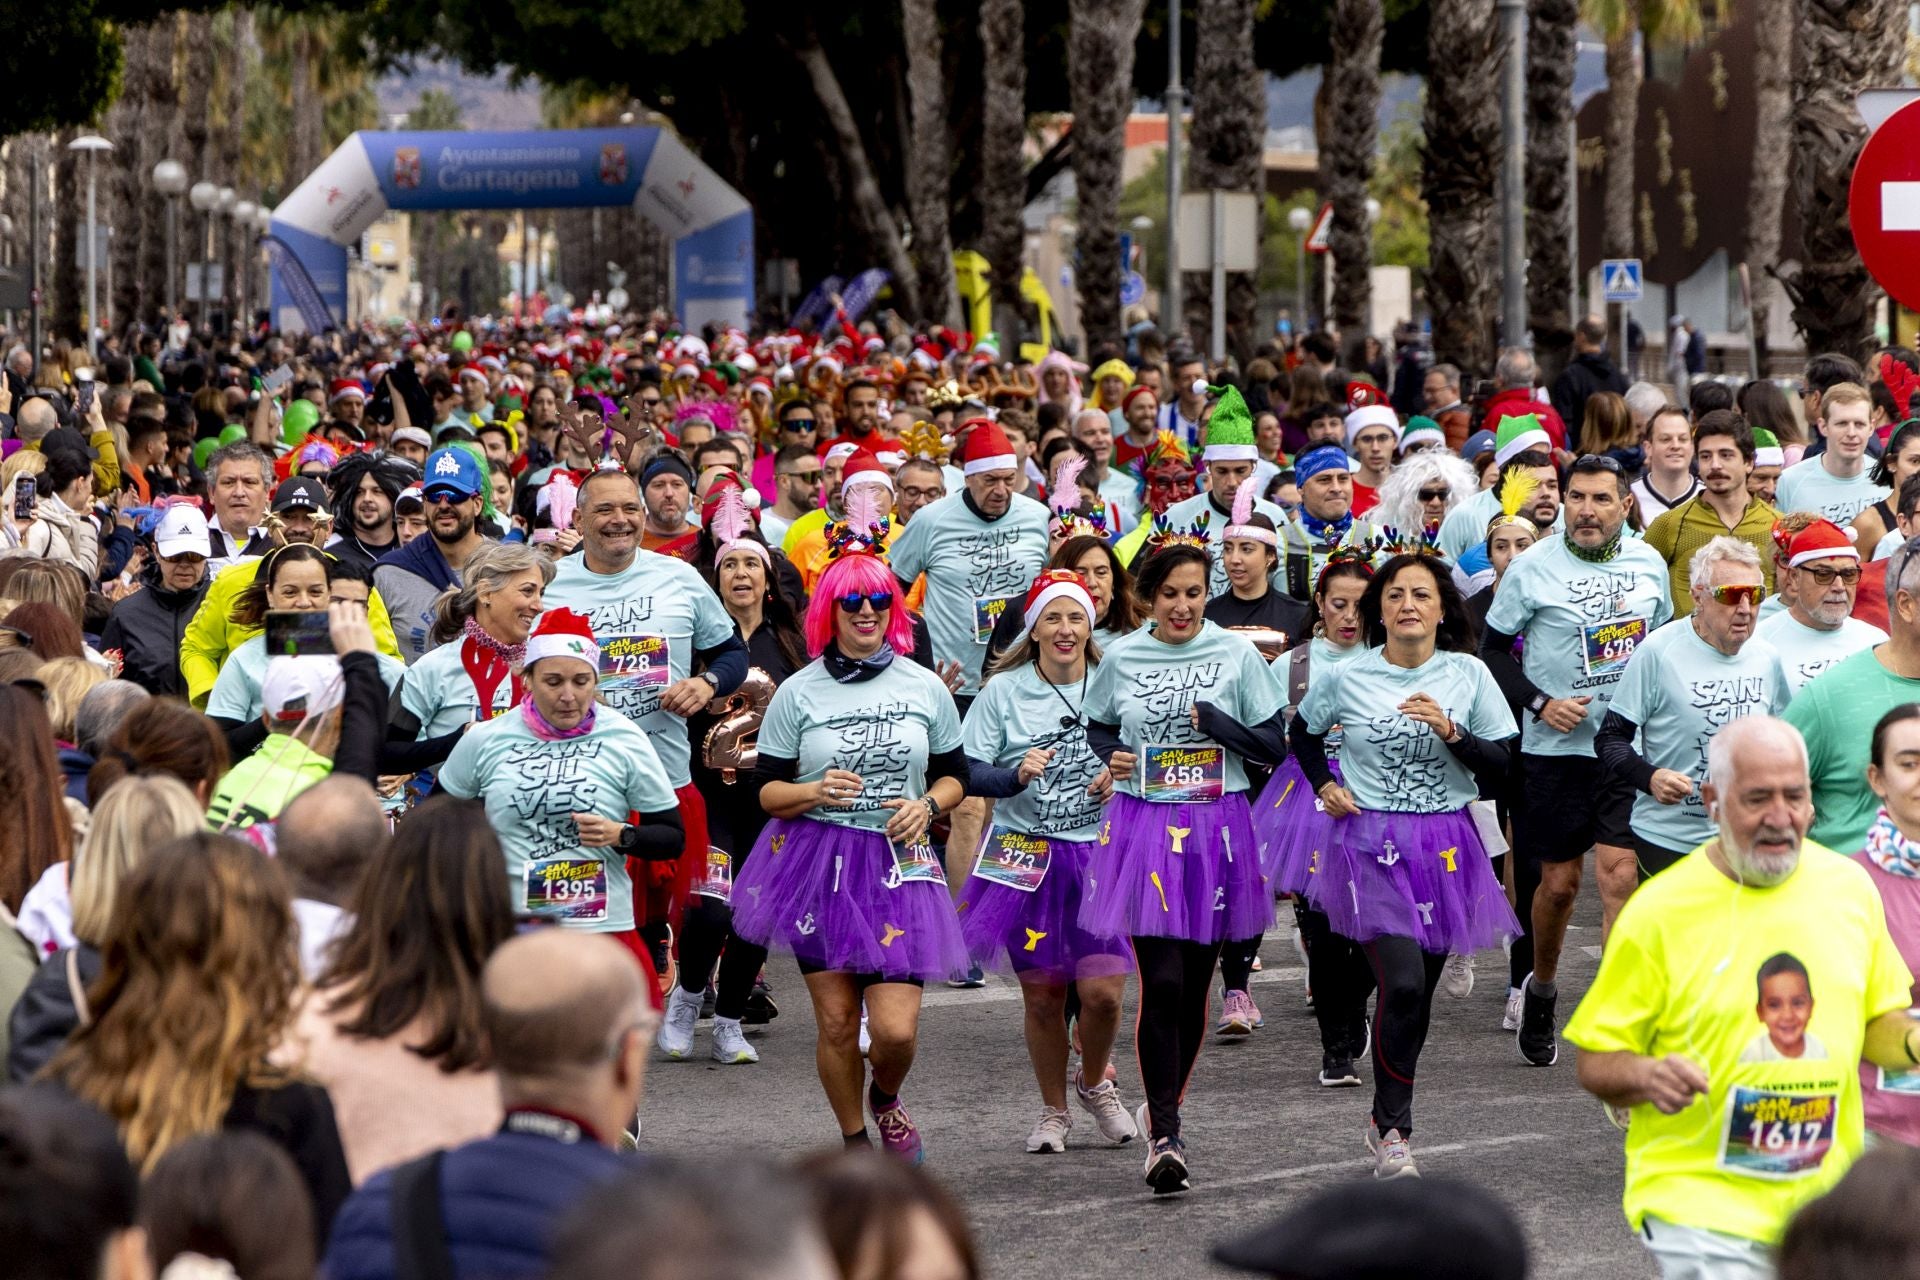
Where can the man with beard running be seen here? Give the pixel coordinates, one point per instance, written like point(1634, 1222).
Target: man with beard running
point(412, 577)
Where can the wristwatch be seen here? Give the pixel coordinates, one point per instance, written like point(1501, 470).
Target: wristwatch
point(711, 679)
point(933, 806)
point(1537, 704)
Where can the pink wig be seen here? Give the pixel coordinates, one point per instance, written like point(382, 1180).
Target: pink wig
point(868, 575)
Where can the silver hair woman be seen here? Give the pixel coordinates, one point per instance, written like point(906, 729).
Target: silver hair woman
point(1422, 489)
point(492, 567)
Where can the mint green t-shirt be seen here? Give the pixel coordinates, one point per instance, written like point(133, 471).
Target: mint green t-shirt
point(532, 788)
point(1835, 713)
point(1681, 690)
point(1805, 651)
point(1392, 763)
point(1148, 687)
point(1017, 711)
point(1808, 486)
point(657, 605)
point(236, 693)
point(1581, 621)
point(882, 729)
point(439, 693)
point(975, 570)
point(1182, 516)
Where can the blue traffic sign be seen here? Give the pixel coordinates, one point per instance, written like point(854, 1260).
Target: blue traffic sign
point(1620, 280)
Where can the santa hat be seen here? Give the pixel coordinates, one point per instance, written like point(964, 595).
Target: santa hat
point(1766, 449)
point(986, 448)
point(1372, 415)
point(345, 389)
point(473, 371)
point(562, 633)
point(863, 468)
point(1361, 393)
point(1821, 540)
point(1229, 429)
point(1135, 393)
point(1515, 436)
point(1053, 585)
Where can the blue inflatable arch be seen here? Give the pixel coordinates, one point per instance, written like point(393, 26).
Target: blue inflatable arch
point(649, 169)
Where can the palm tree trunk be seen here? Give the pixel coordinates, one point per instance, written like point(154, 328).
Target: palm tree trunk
point(1346, 158)
point(1003, 133)
point(309, 109)
point(1623, 119)
point(69, 207)
point(150, 84)
point(1844, 46)
point(1772, 156)
point(1551, 49)
point(128, 123)
point(862, 188)
point(929, 164)
point(1461, 156)
point(1229, 135)
point(1100, 82)
point(196, 90)
point(235, 239)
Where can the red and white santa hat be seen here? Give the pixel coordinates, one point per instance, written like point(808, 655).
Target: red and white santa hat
point(986, 448)
point(864, 468)
point(345, 389)
point(1053, 585)
point(562, 633)
point(1821, 540)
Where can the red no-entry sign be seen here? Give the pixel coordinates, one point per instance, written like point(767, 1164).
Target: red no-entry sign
point(1883, 205)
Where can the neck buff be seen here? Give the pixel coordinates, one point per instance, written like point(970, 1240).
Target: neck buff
point(856, 670)
point(488, 662)
point(546, 732)
point(1890, 851)
point(1600, 554)
point(1325, 530)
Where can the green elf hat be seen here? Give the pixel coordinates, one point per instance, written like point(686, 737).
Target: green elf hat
point(1422, 430)
point(1229, 429)
point(1517, 435)
point(1766, 449)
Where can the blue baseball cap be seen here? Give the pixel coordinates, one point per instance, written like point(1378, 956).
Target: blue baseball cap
point(453, 471)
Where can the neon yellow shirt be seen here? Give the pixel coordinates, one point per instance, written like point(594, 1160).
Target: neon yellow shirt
point(1782, 1119)
point(213, 634)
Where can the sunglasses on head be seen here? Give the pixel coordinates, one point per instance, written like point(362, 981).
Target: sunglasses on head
point(1735, 596)
point(880, 600)
point(1599, 460)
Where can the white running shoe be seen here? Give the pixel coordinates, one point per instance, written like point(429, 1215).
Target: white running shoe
point(866, 1037)
point(730, 1043)
point(1510, 1020)
point(1050, 1132)
point(1104, 1105)
point(676, 1029)
point(1456, 978)
point(1392, 1154)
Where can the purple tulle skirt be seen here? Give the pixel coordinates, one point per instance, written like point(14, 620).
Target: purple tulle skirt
point(1292, 827)
point(820, 891)
point(1039, 932)
point(1208, 889)
point(1423, 876)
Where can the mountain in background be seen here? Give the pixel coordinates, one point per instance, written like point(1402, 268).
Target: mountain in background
point(486, 102)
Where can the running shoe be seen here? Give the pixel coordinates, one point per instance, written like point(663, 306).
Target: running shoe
point(1256, 964)
point(1258, 1020)
point(1361, 1038)
point(1237, 1015)
point(1103, 1103)
point(1142, 1121)
point(676, 1029)
point(1167, 1167)
point(1510, 1020)
point(1392, 1154)
point(1050, 1133)
point(1620, 1118)
point(897, 1134)
point(1456, 979)
point(760, 1008)
point(1336, 1072)
point(1535, 1037)
point(730, 1043)
point(976, 977)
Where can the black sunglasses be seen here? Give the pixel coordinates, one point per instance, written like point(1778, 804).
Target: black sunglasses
point(1433, 495)
point(880, 600)
point(799, 424)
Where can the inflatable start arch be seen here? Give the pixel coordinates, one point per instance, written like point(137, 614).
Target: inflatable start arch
point(646, 168)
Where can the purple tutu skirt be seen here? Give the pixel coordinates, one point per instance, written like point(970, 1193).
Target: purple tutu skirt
point(820, 891)
point(1188, 871)
point(1422, 876)
point(1292, 827)
point(1040, 932)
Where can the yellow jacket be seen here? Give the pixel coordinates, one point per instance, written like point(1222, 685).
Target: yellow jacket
point(213, 634)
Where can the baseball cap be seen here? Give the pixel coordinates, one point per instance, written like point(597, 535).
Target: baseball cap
point(410, 435)
point(408, 500)
point(67, 438)
point(453, 471)
point(182, 529)
point(301, 686)
point(300, 493)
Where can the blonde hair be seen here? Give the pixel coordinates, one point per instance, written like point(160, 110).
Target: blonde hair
point(66, 681)
point(135, 815)
point(1844, 393)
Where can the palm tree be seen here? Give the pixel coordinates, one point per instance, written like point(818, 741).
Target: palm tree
point(196, 90)
point(129, 126)
point(68, 209)
point(1458, 162)
point(1100, 82)
point(930, 166)
point(1551, 50)
point(1772, 154)
point(1003, 134)
point(1843, 47)
point(1352, 96)
point(1229, 135)
point(150, 90)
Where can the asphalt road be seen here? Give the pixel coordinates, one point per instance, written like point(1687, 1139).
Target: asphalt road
point(1260, 1131)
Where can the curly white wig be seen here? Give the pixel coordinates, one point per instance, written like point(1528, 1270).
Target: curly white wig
point(1399, 506)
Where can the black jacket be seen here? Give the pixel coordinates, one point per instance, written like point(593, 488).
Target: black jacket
point(1585, 374)
point(45, 1015)
point(147, 628)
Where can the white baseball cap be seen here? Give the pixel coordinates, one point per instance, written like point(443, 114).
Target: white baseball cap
point(182, 529)
point(300, 687)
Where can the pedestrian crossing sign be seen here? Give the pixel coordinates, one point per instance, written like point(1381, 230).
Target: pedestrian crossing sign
point(1620, 279)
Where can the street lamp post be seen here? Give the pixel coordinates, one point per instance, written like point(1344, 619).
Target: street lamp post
point(1300, 220)
point(1170, 319)
point(170, 180)
point(257, 259)
point(203, 196)
point(93, 145)
point(1141, 224)
point(243, 211)
point(223, 243)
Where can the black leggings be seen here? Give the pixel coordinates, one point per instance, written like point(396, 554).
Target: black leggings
point(1407, 976)
point(1339, 977)
point(1236, 962)
point(1526, 881)
point(1176, 982)
point(706, 935)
